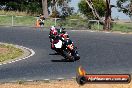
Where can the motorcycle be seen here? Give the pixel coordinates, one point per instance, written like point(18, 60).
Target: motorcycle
point(70, 53)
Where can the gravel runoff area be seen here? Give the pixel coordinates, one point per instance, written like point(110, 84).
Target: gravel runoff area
point(61, 84)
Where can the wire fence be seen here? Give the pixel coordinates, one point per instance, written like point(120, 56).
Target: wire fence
point(17, 20)
point(120, 25)
point(31, 21)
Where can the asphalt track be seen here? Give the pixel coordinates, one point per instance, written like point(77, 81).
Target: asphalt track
point(100, 53)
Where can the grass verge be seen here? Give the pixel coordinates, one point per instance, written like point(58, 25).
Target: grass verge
point(124, 27)
point(8, 52)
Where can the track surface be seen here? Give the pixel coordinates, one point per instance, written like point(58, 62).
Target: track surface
point(100, 53)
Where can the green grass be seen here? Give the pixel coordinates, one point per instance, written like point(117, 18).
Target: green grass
point(96, 27)
point(11, 52)
point(5, 20)
point(18, 20)
point(24, 21)
point(122, 27)
point(126, 27)
point(14, 13)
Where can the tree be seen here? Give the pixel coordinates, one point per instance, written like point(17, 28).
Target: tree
point(63, 7)
point(125, 6)
point(29, 6)
point(87, 11)
point(66, 10)
point(33, 6)
point(56, 3)
point(107, 22)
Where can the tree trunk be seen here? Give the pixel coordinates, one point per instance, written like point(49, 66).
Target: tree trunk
point(107, 25)
point(45, 8)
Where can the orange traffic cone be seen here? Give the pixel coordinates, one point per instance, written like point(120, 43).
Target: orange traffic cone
point(37, 23)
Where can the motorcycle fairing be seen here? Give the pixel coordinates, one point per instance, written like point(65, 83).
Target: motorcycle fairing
point(59, 44)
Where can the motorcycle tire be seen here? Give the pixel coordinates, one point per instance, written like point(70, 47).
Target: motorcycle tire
point(77, 57)
point(69, 57)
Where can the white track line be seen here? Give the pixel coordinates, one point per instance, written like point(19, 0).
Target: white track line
point(123, 33)
point(73, 77)
point(46, 79)
point(107, 32)
point(60, 78)
point(91, 31)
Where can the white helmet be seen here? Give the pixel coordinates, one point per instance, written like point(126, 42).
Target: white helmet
point(52, 28)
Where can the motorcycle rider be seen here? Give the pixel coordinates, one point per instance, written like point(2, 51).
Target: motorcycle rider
point(52, 35)
point(67, 42)
point(56, 32)
point(60, 29)
point(53, 32)
point(64, 35)
point(62, 44)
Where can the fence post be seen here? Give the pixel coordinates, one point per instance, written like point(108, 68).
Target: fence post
point(97, 22)
point(55, 21)
point(12, 21)
point(98, 25)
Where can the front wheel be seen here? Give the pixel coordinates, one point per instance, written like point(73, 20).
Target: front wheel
point(77, 58)
point(76, 55)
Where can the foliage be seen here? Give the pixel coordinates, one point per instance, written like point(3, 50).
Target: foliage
point(35, 6)
point(65, 12)
point(99, 5)
point(74, 16)
point(55, 14)
point(61, 7)
point(30, 6)
point(125, 6)
point(61, 2)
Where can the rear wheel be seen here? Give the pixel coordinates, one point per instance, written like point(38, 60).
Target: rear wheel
point(69, 57)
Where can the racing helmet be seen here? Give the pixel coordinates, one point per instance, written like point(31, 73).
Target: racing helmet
point(52, 28)
point(65, 35)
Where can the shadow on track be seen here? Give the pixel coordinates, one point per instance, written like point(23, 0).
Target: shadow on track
point(54, 54)
point(62, 60)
